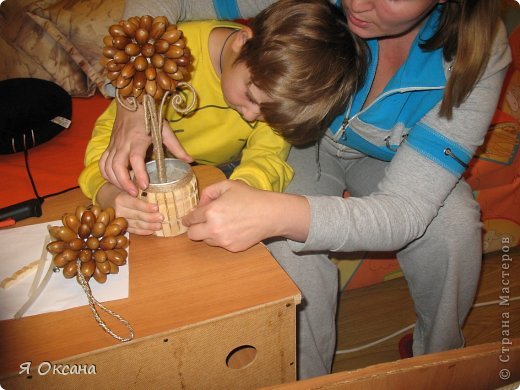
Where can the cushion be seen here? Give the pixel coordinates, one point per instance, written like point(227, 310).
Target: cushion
point(57, 40)
point(16, 63)
point(79, 27)
point(38, 53)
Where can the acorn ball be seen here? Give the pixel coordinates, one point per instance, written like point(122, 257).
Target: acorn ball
point(94, 236)
point(145, 55)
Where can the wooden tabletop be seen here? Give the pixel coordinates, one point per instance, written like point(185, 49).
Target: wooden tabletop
point(174, 282)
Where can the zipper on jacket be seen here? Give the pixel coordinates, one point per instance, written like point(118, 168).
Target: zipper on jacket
point(341, 134)
point(390, 147)
point(448, 152)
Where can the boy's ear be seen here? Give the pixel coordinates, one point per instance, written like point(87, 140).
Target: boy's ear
point(242, 36)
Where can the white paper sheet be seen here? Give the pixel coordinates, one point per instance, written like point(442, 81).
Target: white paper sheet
point(19, 247)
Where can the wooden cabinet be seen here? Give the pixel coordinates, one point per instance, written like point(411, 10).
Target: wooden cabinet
point(203, 318)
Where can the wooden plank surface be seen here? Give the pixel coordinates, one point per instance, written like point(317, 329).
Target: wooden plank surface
point(174, 282)
point(478, 367)
point(371, 313)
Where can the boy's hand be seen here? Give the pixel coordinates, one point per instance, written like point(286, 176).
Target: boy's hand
point(127, 150)
point(143, 217)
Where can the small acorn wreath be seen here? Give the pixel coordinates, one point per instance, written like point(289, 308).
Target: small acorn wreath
point(146, 55)
point(91, 243)
point(95, 237)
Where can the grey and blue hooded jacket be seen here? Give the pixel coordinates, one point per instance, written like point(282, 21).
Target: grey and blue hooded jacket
point(395, 116)
point(427, 153)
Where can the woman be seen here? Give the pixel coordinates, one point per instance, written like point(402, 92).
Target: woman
point(400, 149)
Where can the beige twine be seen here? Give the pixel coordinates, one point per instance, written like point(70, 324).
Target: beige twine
point(153, 122)
point(92, 302)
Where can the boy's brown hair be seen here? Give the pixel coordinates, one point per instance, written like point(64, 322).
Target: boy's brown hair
point(304, 57)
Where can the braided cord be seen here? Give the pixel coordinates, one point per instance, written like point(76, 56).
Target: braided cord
point(93, 302)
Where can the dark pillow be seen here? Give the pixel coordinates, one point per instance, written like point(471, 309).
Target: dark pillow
point(32, 112)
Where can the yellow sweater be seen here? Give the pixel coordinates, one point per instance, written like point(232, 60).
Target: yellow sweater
point(213, 134)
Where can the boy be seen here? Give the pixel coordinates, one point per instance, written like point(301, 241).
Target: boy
point(287, 69)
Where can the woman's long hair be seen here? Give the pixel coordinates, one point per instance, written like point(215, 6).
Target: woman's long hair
point(466, 32)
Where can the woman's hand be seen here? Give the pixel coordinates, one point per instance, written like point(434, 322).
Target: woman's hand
point(235, 216)
point(127, 150)
point(143, 217)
